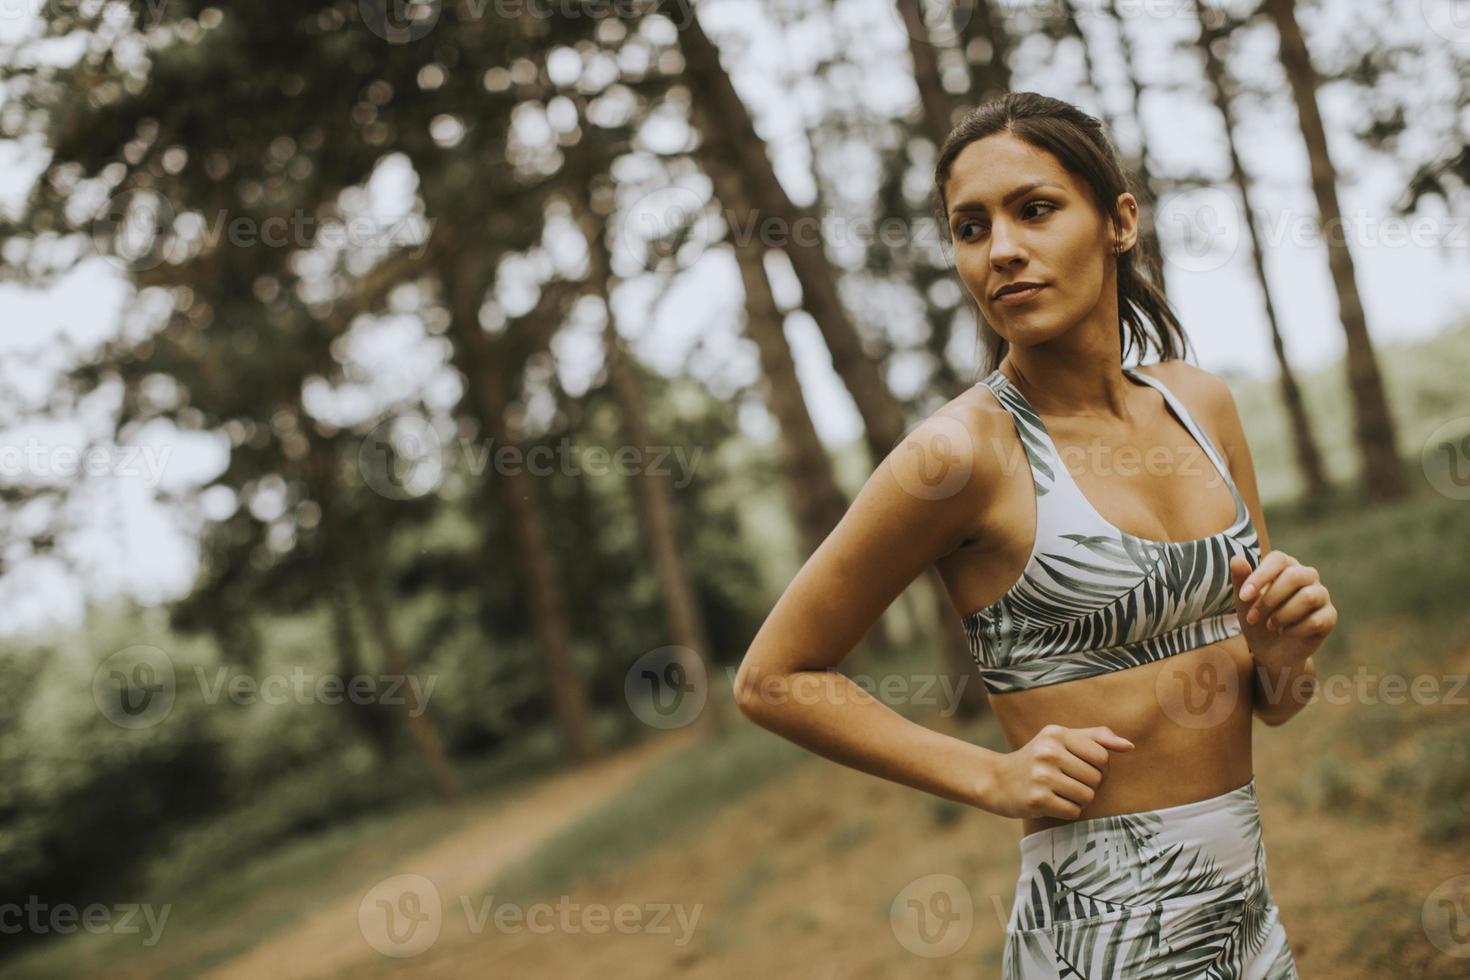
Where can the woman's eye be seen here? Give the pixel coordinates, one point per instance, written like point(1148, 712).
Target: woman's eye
point(980, 228)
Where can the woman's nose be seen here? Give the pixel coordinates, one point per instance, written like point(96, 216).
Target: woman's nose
point(1003, 245)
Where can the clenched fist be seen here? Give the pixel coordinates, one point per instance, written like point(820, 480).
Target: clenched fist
point(1055, 774)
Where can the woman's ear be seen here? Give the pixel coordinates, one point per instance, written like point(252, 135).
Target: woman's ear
point(1127, 228)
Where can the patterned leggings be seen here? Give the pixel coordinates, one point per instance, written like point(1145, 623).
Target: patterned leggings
point(1175, 892)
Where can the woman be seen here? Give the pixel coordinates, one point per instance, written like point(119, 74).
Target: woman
point(1124, 605)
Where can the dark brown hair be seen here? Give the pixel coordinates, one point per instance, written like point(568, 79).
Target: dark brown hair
point(1081, 145)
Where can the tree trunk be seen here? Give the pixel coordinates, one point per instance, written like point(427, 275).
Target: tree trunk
point(724, 122)
point(734, 139)
point(1309, 458)
point(816, 500)
point(1382, 471)
point(937, 105)
point(1148, 199)
point(474, 353)
point(659, 523)
point(420, 726)
point(321, 478)
point(367, 718)
point(987, 43)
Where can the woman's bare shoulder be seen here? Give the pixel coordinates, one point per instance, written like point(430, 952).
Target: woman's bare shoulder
point(946, 468)
point(1204, 393)
point(988, 428)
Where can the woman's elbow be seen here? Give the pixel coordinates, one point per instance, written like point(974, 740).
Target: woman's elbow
point(748, 685)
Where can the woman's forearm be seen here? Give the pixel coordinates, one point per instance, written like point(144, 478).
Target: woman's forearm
point(826, 712)
point(1282, 692)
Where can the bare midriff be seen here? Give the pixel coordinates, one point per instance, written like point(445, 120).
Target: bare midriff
point(1188, 717)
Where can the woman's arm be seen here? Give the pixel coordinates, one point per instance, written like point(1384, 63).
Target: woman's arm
point(921, 502)
point(924, 499)
point(1279, 693)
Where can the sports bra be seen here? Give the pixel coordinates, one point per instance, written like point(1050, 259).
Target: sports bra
point(1093, 598)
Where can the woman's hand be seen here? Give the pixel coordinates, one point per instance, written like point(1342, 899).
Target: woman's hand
point(1055, 774)
point(1284, 609)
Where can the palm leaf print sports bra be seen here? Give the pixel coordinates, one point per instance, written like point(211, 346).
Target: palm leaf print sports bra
point(1094, 598)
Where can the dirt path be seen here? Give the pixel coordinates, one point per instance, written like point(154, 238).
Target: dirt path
point(802, 879)
point(335, 939)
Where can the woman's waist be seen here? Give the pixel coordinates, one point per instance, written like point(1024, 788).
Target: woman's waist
point(1203, 851)
point(1153, 777)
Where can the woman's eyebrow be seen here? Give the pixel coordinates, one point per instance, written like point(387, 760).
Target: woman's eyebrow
point(1018, 192)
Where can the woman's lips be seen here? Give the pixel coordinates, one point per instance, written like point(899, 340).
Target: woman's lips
point(1019, 296)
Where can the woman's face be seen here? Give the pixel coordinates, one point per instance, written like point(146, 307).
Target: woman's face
point(1016, 215)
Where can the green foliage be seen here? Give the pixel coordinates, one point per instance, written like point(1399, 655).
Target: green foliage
point(1437, 784)
point(670, 802)
point(1425, 386)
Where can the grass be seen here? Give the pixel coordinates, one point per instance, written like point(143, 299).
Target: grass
point(669, 801)
point(1399, 576)
point(223, 908)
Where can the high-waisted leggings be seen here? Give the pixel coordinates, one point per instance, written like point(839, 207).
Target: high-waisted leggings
point(1174, 892)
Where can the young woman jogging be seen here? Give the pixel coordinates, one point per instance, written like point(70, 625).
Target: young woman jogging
point(1100, 528)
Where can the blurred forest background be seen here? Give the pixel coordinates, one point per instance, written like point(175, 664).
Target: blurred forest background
point(369, 245)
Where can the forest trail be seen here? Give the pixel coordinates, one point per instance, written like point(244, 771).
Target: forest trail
point(334, 940)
